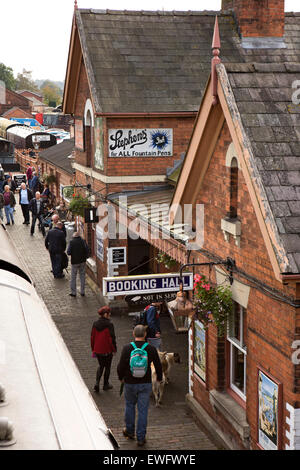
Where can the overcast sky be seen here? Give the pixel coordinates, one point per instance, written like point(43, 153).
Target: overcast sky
point(35, 34)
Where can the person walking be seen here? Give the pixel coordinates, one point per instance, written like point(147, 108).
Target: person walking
point(103, 344)
point(152, 320)
point(29, 175)
point(37, 208)
point(79, 252)
point(9, 204)
point(1, 206)
point(10, 182)
point(137, 390)
point(35, 183)
point(55, 243)
point(25, 198)
point(54, 222)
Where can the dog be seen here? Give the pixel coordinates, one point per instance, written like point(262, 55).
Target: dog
point(167, 360)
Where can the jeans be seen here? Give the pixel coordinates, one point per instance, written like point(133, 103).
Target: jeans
point(137, 394)
point(74, 270)
point(9, 214)
point(56, 264)
point(34, 219)
point(104, 364)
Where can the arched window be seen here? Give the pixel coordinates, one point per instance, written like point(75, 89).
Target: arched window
point(234, 169)
point(88, 132)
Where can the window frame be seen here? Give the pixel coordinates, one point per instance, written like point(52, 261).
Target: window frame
point(238, 344)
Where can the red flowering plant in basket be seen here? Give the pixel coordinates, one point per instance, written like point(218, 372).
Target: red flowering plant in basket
point(212, 304)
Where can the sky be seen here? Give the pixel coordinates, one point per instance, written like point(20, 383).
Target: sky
point(35, 34)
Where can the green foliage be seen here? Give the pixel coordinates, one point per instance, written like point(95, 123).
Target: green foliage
point(169, 262)
point(52, 93)
point(7, 76)
point(213, 304)
point(24, 81)
point(49, 179)
point(78, 204)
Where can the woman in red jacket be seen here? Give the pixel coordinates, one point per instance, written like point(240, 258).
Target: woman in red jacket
point(103, 343)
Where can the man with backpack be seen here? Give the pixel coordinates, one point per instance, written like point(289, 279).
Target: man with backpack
point(134, 369)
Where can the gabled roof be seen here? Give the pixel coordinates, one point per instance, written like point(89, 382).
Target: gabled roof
point(255, 100)
point(157, 61)
point(16, 109)
point(58, 155)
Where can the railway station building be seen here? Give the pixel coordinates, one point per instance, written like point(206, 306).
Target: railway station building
point(233, 125)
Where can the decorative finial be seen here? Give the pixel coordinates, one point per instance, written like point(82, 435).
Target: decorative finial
point(216, 45)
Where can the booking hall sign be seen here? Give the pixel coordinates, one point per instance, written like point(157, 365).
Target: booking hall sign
point(140, 142)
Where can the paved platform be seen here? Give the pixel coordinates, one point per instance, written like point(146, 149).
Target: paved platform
point(170, 427)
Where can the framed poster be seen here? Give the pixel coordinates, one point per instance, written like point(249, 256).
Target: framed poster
point(98, 158)
point(200, 350)
point(269, 412)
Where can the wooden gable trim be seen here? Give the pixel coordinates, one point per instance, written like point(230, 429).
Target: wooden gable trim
point(204, 137)
point(72, 73)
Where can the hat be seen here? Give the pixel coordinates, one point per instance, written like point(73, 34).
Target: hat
point(103, 310)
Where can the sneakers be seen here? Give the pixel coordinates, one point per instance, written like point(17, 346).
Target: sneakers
point(72, 295)
point(96, 388)
point(107, 387)
point(127, 434)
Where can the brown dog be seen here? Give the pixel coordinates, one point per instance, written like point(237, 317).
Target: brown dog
point(166, 359)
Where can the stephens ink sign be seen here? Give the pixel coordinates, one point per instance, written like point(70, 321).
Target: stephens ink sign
point(140, 142)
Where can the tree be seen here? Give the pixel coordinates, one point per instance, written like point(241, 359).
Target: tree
point(52, 93)
point(25, 82)
point(7, 76)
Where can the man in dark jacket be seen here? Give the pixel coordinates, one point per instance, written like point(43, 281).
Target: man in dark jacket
point(37, 207)
point(79, 252)
point(103, 344)
point(55, 243)
point(153, 323)
point(25, 197)
point(138, 390)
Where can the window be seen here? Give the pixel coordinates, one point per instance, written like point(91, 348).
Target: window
point(236, 338)
point(233, 189)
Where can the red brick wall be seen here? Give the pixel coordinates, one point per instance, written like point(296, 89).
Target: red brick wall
point(260, 18)
point(271, 324)
point(14, 99)
point(17, 113)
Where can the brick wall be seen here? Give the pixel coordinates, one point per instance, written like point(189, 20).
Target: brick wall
point(270, 324)
point(260, 17)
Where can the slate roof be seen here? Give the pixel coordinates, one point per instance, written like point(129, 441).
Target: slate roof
point(58, 155)
point(157, 61)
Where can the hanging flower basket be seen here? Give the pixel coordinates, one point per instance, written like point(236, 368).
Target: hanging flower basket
point(166, 260)
point(78, 204)
point(212, 304)
point(49, 179)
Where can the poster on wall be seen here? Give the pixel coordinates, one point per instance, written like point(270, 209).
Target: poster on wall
point(140, 142)
point(268, 412)
point(200, 350)
point(98, 158)
point(99, 243)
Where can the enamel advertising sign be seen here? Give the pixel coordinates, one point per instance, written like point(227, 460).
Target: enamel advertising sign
point(140, 142)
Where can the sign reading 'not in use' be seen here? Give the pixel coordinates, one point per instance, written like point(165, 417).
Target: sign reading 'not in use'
point(146, 284)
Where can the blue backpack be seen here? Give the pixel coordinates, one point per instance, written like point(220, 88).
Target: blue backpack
point(138, 361)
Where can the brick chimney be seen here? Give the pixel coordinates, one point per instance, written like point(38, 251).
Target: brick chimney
point(258, 18)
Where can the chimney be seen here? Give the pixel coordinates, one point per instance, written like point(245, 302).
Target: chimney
point(260, 22)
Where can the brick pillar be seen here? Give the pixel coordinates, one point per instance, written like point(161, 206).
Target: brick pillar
point(259, 18)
